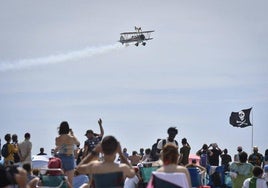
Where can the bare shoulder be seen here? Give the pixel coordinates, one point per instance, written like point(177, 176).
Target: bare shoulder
point(57, 139)
point(73, 138)
point(161, 169)
point(63, 139)
point(127, 170)
point(182, 169)
point(91, 167)
point(122, 165)
point(94, 163)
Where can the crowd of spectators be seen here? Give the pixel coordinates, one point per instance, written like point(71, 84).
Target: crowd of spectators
point(103, 154)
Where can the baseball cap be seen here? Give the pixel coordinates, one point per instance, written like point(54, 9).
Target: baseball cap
point(54, 162)
point(89, 131)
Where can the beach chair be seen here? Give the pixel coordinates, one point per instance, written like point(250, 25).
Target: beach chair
point(168, 180)
point(58, 180)
point(146, 173)
point(108, 180)
point(228, 180)
point(216, 176)
point(195, 177)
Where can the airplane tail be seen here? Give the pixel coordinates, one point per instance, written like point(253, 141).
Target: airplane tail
point(122, 40)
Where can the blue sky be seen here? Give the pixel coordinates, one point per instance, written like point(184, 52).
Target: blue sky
point(60, 60)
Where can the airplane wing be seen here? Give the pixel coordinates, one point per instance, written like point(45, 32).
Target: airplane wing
point(148, 39)
point(147, 31)
point(132, 33)
point(129, 33)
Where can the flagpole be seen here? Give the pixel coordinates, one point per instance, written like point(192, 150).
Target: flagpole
point(252, 129)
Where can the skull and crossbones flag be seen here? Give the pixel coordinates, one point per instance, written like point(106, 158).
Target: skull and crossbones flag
point(241, 118)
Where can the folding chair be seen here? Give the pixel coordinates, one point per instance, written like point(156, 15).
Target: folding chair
point(146, 173)
point(108, 180)
point(53, 181)
point(216, 176)
point(168, 180)
point(195, 177)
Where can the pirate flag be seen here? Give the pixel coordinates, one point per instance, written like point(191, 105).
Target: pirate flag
point(241, 118)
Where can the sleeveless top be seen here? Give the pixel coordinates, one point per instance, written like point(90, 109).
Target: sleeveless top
point(66, 148)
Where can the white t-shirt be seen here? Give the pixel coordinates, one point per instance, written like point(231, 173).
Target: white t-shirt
point(160, 144)
point(131, 182)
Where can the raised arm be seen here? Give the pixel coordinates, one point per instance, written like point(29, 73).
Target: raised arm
point(84, 167)
point(94, 154)
point(101, 128)
point(128, 170)
point(123, 159)
point(75, 140)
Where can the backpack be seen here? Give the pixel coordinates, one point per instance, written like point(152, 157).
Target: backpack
point(4, 150)
point(165, 141)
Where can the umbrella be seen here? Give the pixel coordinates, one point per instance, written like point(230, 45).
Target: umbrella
point(40, 161)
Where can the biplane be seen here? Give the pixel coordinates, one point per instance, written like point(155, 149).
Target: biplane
point(138, 36)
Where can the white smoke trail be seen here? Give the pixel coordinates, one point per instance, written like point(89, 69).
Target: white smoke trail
point(59, 58)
